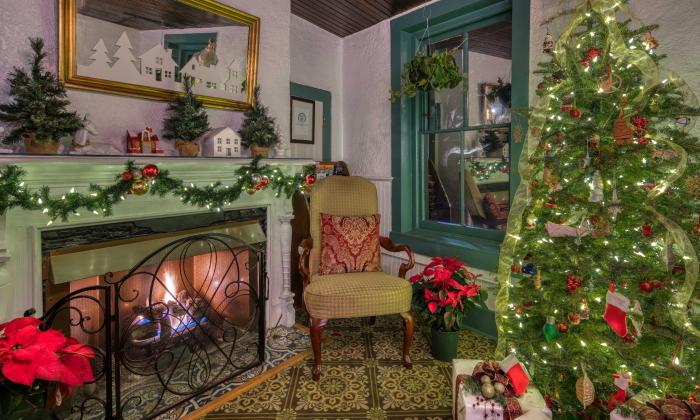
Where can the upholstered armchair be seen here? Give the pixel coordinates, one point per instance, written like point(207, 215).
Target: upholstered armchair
point(350, 295)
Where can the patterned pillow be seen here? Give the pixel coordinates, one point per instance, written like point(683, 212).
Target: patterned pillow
point(349, 244)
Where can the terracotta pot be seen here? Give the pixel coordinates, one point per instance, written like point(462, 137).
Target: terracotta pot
point(256, 150)
point(187, 148)
point(34, 147)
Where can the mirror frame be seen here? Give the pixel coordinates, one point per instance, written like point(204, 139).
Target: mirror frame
point(68, 66)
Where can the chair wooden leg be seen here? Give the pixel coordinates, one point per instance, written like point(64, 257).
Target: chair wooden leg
point(407, 338)
point(372, 320)
point(316, 329)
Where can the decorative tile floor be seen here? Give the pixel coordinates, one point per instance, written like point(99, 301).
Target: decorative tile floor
point(362, 377)
point(282, 345)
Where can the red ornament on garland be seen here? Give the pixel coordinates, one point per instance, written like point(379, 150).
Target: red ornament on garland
point(150, 171)
point(575, 113)
point(646, 230)
point(264, 181)
point(126, 176)
point(310, 179)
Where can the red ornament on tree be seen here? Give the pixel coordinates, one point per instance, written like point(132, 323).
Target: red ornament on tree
point(575, 113)
point(310, 179)
point(572, 283)
point(150, 171)
point(126, 176)
point(646, 286)
point(562, 327)
point(593, 53)
point(646, 230)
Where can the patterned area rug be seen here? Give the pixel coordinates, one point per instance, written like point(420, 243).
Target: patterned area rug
point(361, 377)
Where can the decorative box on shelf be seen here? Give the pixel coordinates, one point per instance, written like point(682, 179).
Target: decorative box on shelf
point(473, 405)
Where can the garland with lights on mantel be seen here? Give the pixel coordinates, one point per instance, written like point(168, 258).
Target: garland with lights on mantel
point(139, 180)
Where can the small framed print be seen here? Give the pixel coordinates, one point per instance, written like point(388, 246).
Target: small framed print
point(302, 120)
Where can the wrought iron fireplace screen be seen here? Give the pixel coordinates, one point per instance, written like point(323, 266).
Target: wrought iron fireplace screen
point(188, 317)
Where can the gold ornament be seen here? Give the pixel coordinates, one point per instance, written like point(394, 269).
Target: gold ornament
point(692, 184)
point(139, 187)
point(485, 380)
point(499, 387)
point(488, 391)
point(250, 190)
point(538, 280)
point(585, 391)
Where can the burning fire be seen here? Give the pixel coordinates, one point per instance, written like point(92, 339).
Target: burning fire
point(170, 288)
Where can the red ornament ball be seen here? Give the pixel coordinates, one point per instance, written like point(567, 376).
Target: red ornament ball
point(575, 113)
point(264, 181)
point(646, 286)
point(646, 230)
point(310, 179)
point(150, 171)
point(126, 176)
point(593, 53)
point(562, 327)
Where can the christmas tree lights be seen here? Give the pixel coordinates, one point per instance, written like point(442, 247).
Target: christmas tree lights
point(599, 265)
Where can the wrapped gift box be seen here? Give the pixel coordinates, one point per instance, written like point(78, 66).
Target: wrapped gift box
point(471, 406)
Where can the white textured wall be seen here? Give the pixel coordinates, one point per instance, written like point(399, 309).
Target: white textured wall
point(315, 61)
point(113, 114)
point(367, 110)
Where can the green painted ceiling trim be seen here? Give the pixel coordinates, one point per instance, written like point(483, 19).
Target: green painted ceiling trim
point(480, 252)
point(316, 94)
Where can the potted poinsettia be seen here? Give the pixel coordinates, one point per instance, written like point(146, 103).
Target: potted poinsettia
point(39, 368)
point(442, 295)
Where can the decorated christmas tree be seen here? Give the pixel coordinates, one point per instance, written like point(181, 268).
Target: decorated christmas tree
point(38, 107)
point(187, 119)
point(599, 265)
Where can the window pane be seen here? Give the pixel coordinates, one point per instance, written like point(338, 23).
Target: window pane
point(446, 106)
point(486, 179)
point(490, 74)
point(443, 183)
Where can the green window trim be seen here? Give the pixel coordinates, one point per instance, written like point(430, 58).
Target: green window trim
point(478, 247)
point(316, 94)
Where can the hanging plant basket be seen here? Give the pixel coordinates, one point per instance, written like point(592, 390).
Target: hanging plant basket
point(429, 72)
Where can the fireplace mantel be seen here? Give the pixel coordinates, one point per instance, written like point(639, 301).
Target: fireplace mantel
point(20, 253)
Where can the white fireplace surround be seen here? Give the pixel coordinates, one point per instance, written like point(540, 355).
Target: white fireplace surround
point(20, 230)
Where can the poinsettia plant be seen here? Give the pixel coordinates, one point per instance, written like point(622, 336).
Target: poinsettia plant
point(36, 362)
point(444, 292)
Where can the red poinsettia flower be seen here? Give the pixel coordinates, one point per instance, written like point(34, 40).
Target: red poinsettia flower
point(28, 353)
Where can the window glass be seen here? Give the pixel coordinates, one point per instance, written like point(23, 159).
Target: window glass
point(443, 178)
point(489, 61)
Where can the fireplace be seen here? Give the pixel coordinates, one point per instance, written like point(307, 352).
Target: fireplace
point(172, 306)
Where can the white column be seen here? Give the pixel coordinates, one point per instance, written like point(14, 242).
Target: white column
point(286, 297)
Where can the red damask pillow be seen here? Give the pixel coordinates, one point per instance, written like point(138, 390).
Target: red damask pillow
point(349, 244)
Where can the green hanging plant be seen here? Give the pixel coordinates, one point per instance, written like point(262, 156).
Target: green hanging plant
point(429, 72)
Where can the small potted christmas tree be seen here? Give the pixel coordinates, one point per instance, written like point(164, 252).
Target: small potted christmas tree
point(37, 112)
point(186, 121)
point(258, 132)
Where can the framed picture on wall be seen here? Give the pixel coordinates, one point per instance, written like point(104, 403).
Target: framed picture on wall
point(302, 120)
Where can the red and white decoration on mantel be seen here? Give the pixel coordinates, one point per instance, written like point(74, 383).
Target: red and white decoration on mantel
point(144, 142)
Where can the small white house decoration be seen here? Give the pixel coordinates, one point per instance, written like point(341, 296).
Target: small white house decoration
point(157, 65)
point(221, 142)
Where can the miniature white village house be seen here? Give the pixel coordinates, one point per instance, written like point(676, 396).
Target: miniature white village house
point(221, 142)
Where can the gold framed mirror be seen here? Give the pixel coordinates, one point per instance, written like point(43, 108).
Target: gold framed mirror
point(144, 49)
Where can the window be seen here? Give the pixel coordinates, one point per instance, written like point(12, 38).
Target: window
point(149, 70)
point(228, 151)
point(235, 149)
point(228, 141)
point(218, 148)
point(455, 151)
point(168, 74)
point(466, 135)
point(218, 140)
point(159, 60)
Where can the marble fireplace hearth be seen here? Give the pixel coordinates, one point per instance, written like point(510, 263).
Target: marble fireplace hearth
point(20, 230)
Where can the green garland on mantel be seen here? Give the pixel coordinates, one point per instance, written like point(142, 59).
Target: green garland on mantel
point(137, 180)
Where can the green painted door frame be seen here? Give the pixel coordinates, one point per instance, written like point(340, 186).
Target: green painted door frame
point(315, 94)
